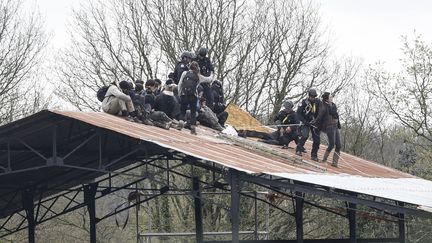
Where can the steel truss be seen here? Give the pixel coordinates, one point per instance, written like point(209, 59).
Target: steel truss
point(37, 208)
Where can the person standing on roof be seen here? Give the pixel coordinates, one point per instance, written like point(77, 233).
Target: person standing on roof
point(206, 69)
point(182, 65)
point(187, 89)
point(328, 122)
point(118, 102)
point(307, 112)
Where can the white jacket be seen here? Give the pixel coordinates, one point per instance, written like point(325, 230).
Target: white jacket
point(113, 92)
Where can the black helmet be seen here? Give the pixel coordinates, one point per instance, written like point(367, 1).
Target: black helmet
point(187, 54)
point(125, 85)
point(312, 93)
point(288, 104)
point(202, 51)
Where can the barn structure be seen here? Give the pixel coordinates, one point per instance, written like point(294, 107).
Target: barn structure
point(55, 155)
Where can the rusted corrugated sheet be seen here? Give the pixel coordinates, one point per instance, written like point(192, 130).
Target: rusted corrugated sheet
point(207, 146)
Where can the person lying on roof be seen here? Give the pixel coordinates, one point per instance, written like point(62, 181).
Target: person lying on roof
point(287, 124)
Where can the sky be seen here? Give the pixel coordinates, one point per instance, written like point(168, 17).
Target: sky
point(367, 29)
point(372, 29)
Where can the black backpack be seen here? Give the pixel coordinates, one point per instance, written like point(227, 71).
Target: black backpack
point(102, 92)
point(189, 84)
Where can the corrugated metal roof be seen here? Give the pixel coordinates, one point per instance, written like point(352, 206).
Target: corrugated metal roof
point(206, 145)
point(355, 174)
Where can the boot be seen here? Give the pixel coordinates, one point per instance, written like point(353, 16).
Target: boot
point(177, 124)
point(326, 155)
point(314, 158)
point(147, 121)
point(336, 156)
point(193, 130)
point(163, 125)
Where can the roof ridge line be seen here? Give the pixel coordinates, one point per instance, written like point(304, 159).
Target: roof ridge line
point(254, 145)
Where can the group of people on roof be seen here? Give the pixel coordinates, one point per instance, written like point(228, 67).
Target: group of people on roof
point(312, 116)
point(190, 94)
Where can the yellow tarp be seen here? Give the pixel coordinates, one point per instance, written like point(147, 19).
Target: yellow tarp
point(242, 120)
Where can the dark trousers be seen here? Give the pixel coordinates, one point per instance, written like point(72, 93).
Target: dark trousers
point(208, 94)
point(222, 117)
point(274, 137)
point(304, 134)
point(191, 102)
point(333, 137)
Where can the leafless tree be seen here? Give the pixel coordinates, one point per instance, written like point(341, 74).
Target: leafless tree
point(263, 51)
point(22, 40)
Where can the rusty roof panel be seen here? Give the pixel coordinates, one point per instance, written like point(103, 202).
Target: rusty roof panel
point(207, 146)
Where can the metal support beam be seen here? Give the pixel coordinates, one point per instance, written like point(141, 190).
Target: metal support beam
point(89, 199)
point(336, 195)
point(27, 200)
point(352, 222)
point(198, 210)
point(299, 203)
point(401, 222)
point(235, 205)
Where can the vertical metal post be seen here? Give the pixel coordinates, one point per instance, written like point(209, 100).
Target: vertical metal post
point(401, 222)
point(9, 156)
point(54, 141)
point(89, 198)
point(167, 172)
point(198, 210)
point(267, 221)
point(352, 222)
point(100, 151)
point(27, 200)
point(256, 215)
point(235, 205)
point(136, 212)
point(299, 216)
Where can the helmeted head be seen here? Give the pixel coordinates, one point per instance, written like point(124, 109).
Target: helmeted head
point(186, 56)
point(312, 93)
point(202, 52)
point(287, 105)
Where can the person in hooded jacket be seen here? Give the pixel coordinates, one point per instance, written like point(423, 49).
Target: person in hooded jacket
point(328, 122)
point(165, 101)
point(118, 102)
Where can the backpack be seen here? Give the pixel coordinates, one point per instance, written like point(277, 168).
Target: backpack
point(102, 92)
point(190, 83)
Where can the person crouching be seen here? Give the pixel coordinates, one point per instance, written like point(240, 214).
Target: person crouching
point(118, 102)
